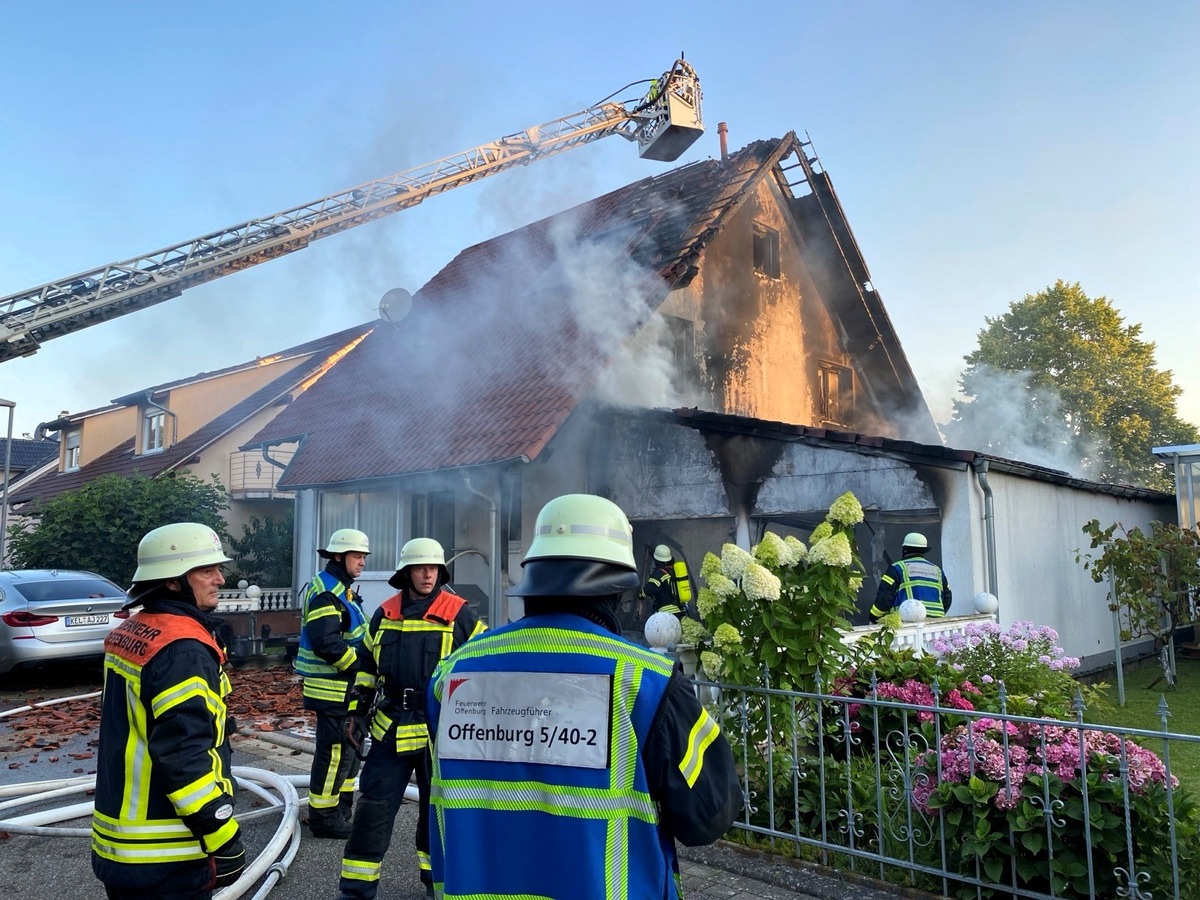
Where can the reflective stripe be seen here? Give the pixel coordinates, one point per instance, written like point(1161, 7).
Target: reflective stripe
point(556, 800)
point(360, 869)
point(704, 732)
point(330, 794)
point(185, 690)
point(192, 797)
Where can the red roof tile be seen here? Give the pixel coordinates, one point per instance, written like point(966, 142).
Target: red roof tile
point(504, 341)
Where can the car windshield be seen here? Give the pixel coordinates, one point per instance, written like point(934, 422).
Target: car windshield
point(73, 589)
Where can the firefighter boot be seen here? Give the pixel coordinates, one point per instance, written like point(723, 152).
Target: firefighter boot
point(328, 823)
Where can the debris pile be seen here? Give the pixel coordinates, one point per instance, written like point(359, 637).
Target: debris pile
point(262, 699)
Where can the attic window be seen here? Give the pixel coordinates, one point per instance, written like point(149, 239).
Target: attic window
point(766, 251)
point(71, 450)
point(154, 431)
point(836, 387)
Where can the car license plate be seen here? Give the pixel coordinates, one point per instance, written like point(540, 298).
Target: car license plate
point(99, 619)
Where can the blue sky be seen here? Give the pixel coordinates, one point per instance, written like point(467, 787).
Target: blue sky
point(981, 153)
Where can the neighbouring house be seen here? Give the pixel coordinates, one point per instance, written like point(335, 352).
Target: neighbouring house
point(26, 455)
point(704, 346)
point(196, 423)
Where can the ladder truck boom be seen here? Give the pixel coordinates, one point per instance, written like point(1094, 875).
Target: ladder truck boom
point(663, 123)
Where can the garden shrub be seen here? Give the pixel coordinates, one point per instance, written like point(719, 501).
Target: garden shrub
point(994, 783)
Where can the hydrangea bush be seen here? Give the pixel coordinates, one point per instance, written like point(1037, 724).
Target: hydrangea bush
point(991, 784)
point(1025, 659)
point(782, 606)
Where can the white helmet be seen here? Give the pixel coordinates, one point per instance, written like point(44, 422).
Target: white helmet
point(420, 552)
point(582, 546)
point(662, 553)
point(346, 540)
point(916, 540)
point(174, 550)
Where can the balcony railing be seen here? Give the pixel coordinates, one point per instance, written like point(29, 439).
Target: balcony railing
point(253, 478)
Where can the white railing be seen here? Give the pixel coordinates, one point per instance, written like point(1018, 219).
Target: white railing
point(254, 598)
point(921, 635)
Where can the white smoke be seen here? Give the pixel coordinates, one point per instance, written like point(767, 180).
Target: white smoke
point(1013, 416)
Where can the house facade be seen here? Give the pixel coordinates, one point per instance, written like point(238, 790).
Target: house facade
point(197, 424)
point(706, 348)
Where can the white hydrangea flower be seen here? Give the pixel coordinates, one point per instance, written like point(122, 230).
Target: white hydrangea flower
point(772, 552)
point(726, 637)
point(796, 546)
point(846, 510)
point(721, 586)
point(709, 565)
point(819, 534)
point(734, 561)
point(832, 551)
point(707, 602)
point(693, 632)
point(760, 584)
point(712, 664)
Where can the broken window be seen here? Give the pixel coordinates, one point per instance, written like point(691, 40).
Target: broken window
point(681, 343)
point(836, 393)
point(766, 251)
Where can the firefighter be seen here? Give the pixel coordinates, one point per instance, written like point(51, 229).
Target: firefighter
point(668, 586)
point(333, 650)
point(163, 824)
point(567, 760)
point(913, 576)
point(410, 633)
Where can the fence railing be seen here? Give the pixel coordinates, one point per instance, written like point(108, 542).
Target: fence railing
point(254, 598)
point(964, 803)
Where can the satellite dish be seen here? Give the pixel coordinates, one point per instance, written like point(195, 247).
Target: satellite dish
point(395, 305)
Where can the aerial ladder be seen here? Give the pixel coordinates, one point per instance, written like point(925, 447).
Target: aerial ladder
point(664, 122)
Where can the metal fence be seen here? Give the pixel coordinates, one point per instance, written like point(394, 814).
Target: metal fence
point(964, 803)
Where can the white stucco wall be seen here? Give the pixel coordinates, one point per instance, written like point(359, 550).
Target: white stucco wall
point(1038, 531)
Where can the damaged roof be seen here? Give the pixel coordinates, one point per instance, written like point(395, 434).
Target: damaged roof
point(121, 460)
point(503, 343)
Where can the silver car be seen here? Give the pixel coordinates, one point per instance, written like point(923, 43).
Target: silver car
point(47, 615)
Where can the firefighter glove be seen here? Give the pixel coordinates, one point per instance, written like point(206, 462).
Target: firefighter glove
point(229, 861)
point(357, 729)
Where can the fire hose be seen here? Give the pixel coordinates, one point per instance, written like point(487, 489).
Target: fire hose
point(277, 791)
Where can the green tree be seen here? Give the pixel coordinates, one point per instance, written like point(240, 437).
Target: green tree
point(98, 526)
point(1084, 387)
point(263, 554)
point(1154, 575)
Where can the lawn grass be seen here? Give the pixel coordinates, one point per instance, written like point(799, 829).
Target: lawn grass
point(1141, 711)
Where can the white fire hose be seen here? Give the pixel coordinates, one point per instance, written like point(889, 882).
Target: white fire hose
point(278, 791)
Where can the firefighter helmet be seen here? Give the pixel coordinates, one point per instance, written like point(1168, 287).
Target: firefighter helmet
point(662, 553)
point(916, 541)
point(345, 540)
point(582, 546)
point(174, 550)
point(420, 552)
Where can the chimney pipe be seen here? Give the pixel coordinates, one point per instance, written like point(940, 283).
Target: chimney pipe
point(723, 132)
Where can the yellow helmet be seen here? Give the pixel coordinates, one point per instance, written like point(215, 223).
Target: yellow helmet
point(582, 546)
point(345, 540)
point(174, 550)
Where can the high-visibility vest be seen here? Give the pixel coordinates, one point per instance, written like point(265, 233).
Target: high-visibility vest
point(922, 580)
point(323, 680)
point(595, 827)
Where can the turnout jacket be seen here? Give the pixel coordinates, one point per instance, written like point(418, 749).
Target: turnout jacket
point(913, 577)
point(566, 762)
point(333, 640)
point(408, 638)
point(164, 791)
